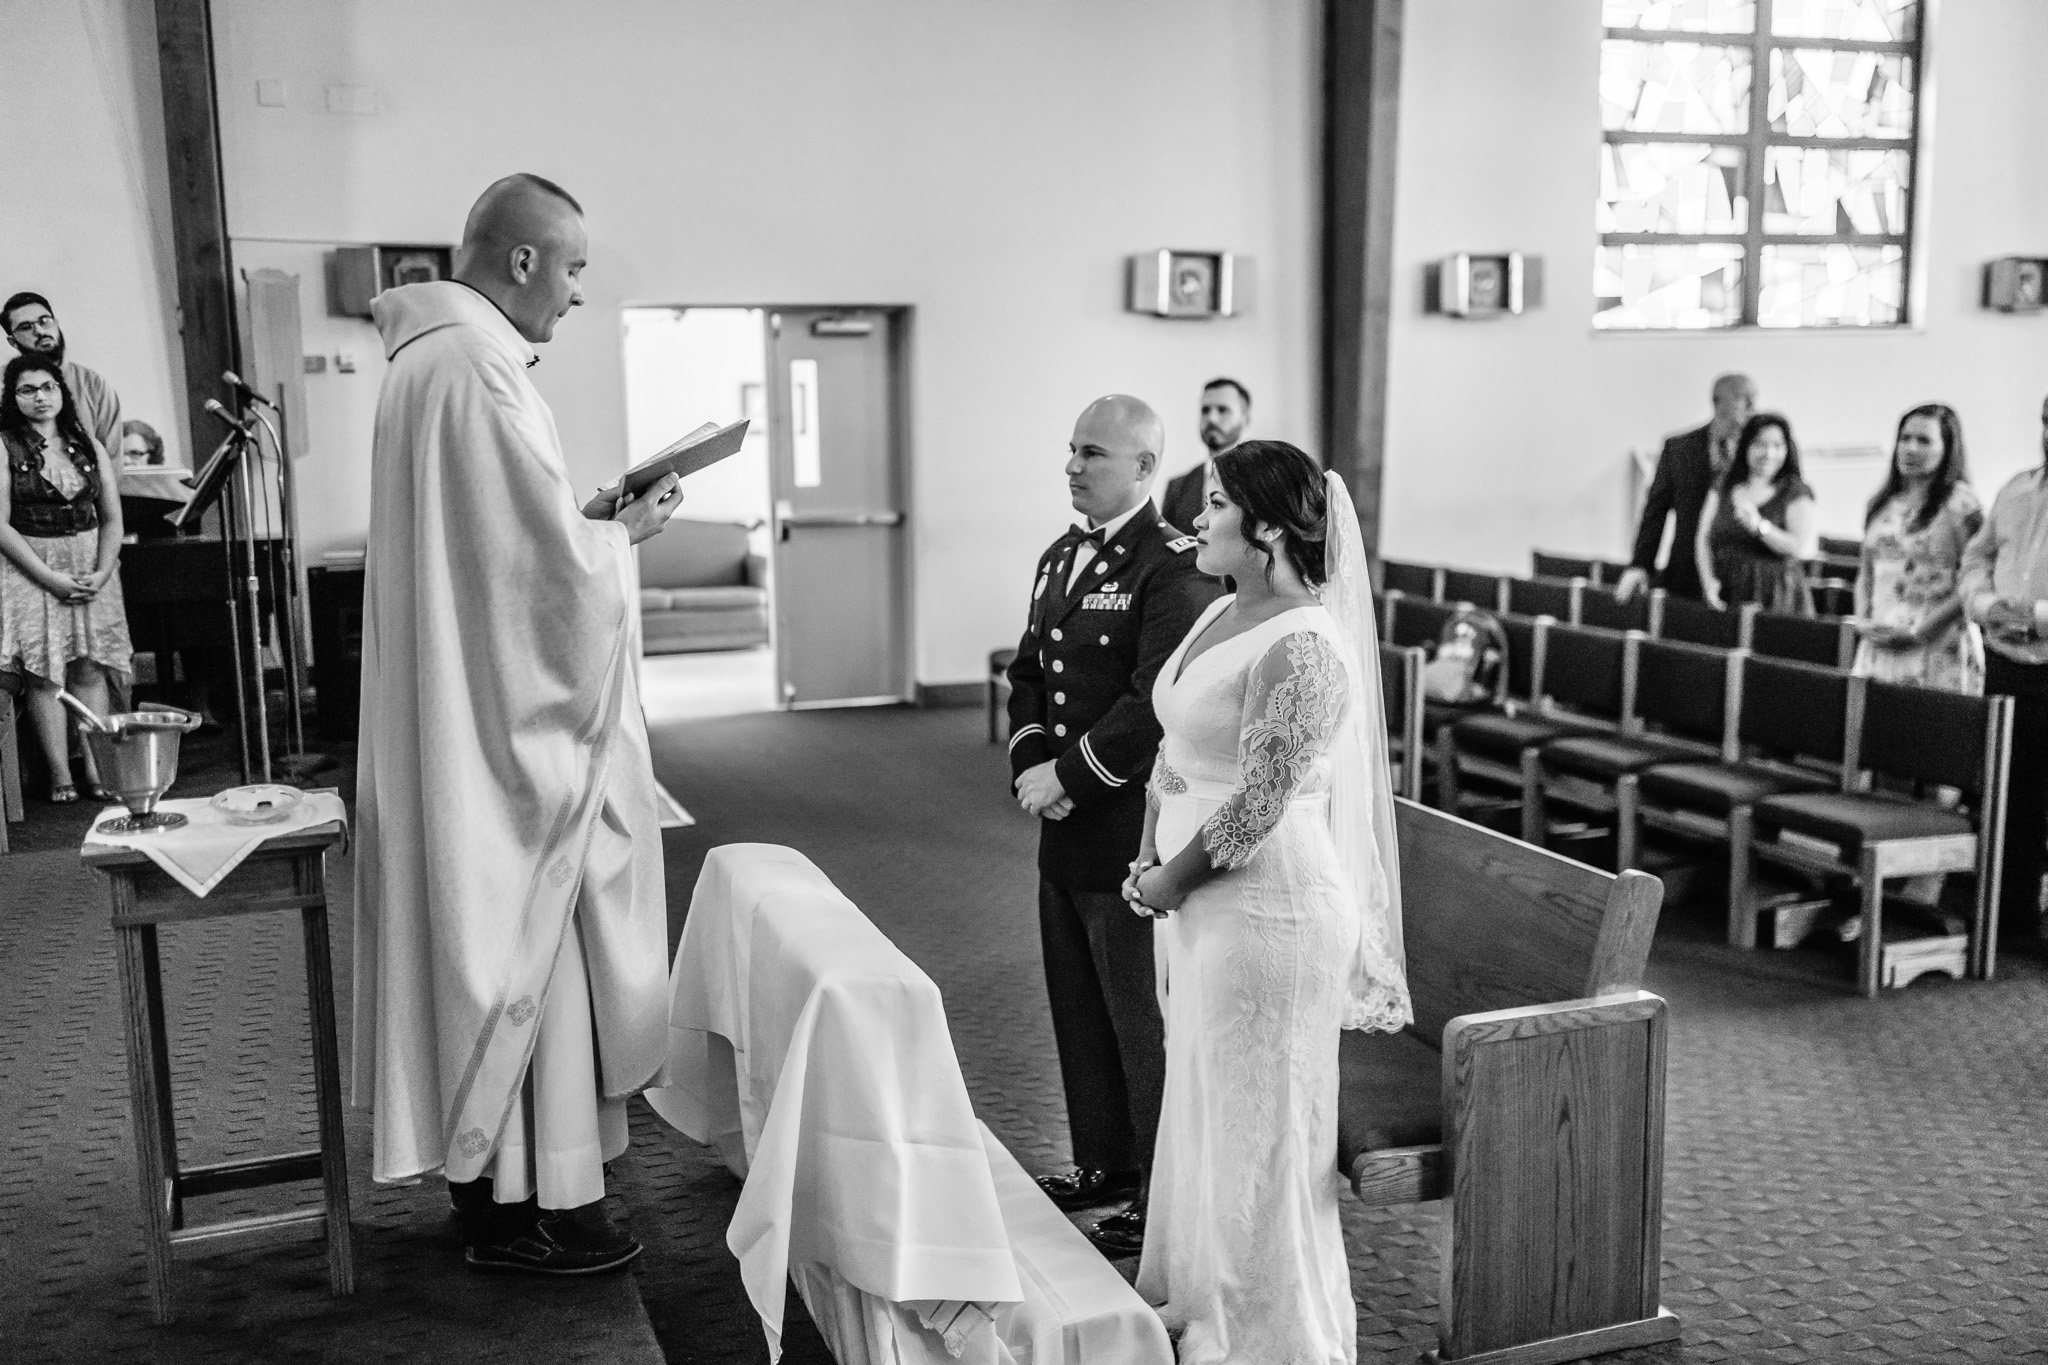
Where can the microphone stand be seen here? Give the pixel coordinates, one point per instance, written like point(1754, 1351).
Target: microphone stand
point(252, 595)
point(226, 473)
point(296, 763)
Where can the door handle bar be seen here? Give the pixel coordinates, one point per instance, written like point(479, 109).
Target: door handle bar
point(844, 519)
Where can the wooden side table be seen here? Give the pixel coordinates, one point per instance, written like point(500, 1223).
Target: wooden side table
point(287, 873)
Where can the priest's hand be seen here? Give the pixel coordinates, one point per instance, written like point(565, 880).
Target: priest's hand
point(644, 516)
point(601, 507)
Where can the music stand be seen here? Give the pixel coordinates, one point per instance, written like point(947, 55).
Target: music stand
point(212, 483)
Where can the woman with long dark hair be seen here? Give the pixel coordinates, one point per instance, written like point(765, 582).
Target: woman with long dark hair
point(1909, 602)
point(1757, 530)
point(62, 621)
point(1269, 849)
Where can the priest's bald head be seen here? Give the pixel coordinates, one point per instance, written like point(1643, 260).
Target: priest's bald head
point(1114, 453)
point(524, 249)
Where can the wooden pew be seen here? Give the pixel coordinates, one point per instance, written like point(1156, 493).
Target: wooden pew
point(1529, 1093)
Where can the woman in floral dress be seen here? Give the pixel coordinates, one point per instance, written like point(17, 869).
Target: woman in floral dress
point(1909, 607)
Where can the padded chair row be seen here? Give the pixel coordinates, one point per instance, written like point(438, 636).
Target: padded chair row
point(1731, 747)
point(1826, 640)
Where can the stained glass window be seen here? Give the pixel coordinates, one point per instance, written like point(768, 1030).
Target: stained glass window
point(1667, 287)
point(1869, 21)
point(1828, 192)
point(1836, 285)
point(1674, 88)
point(1758, 164)
point(1819, 93)
point(1691, 16)
point(1690, 187)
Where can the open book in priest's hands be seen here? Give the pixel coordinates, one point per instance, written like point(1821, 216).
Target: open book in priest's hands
point(702, 448)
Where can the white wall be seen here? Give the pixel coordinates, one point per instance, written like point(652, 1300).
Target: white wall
point(1508, 434)
point(988, 164)
point(85, 213)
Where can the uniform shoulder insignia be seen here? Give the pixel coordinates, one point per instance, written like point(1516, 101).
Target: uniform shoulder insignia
point(1179, 543)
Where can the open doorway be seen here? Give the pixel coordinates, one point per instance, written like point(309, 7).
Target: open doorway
point(706, 592)
point(784, 581)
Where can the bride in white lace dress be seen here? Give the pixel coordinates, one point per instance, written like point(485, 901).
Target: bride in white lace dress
point(1269, 855)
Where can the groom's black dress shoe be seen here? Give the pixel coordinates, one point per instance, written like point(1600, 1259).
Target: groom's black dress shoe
point(1085, 1187)
point(1121, 1234)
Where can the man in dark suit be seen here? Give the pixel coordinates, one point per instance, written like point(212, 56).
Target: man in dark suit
point(1226, 410)
point(1112, 599)
point(1687, 470)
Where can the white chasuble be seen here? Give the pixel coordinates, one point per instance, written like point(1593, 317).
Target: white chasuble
point(505, 796)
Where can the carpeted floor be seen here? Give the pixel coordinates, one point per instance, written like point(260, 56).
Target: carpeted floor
point(1846, 1180)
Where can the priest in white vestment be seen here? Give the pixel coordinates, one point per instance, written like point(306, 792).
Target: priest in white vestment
point(511, 954)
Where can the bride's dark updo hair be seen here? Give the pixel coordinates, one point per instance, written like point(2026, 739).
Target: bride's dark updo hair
point(1277, 485)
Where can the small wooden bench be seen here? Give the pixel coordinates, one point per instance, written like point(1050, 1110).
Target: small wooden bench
point(1529, 1092)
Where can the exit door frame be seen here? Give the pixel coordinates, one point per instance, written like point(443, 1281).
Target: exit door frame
point(900, 318)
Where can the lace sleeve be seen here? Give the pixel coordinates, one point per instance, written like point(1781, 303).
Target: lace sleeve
point(1292, 705)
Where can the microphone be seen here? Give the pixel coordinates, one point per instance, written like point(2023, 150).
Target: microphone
point(243, 391)
point(213, 406)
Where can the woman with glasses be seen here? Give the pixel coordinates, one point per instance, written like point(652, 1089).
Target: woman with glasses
point(62, 620)
point(1757, 531)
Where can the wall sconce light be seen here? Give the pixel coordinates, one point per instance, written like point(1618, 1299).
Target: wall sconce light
point(1187, 284)
point(1471, 286)
point(2016, 284)
point(357, 274)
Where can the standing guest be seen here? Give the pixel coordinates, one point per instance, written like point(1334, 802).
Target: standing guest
point(1112, 599)
point(32, 329)
point(141, 447)
point(1226, 411)
point(511, 926)
point(2005, 590)
point(1687, 472)
point(62, 621)
point(1909, 603)
point(1756, 530)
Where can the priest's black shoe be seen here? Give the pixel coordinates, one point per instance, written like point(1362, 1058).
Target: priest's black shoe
point(1121, 1234)
point(1085, 1187)
point(579, 1241)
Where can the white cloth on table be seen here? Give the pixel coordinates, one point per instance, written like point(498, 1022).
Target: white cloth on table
point(199, 854)
point(798, 1026)
point(1076, 1309)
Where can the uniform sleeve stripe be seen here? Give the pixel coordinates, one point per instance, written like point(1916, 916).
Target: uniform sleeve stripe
point(1032, 729)
point(1088, 753)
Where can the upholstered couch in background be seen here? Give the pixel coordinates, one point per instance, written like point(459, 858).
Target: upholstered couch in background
point(701, 589)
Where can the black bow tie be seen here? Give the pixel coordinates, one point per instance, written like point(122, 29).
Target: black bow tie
point(1078, 537)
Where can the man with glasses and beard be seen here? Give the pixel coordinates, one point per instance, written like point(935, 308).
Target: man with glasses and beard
point(32, 328)
point(1226, 410)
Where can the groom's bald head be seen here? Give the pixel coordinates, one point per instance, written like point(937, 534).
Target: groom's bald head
point(524, 247)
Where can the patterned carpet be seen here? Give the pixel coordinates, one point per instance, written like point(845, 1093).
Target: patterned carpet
point(1846, 1180)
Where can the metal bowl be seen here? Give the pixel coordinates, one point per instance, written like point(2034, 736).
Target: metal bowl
point(137, 758)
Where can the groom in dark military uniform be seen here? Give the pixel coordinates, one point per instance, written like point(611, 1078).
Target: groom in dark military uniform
point(1111, 600)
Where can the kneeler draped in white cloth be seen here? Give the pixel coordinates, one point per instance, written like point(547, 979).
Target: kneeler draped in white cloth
point(509, 903)
point(816, 1056)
